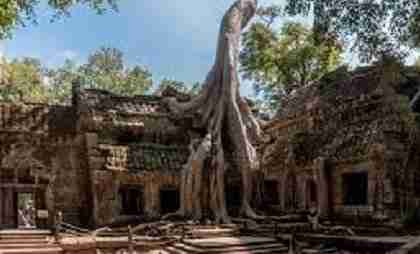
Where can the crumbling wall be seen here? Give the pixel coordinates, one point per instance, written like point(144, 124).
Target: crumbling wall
point(365, 130)
point(130, 141)
point(32, 140)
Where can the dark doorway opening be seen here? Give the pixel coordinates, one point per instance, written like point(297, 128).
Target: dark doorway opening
point(131, 200)
point(312, 192)
point(233, 197)
point(169, 200)
point(291, 192)
point(25, 210)
point(271, 194)
point(355, 188)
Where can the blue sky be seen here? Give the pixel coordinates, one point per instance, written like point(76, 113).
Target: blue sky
point(173, 38)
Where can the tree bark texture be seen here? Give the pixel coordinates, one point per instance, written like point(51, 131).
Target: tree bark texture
point(231, 129)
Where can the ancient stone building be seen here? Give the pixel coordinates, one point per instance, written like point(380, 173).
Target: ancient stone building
point(347, 146)
point(99, 158)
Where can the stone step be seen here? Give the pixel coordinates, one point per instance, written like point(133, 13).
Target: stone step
point(51, 250)
point(28, 237)
point(24, 232)
point(224, 242)
point(281, 250)
point(26, 246)
point(22, 240)
point(192, 249)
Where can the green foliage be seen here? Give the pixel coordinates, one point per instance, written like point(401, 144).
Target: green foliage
point(22, 80)
point(15, 13)
point(278, 64)
point(179, 86)
point(27, 80)
point(60, 82)
point(374, 28)
point(105, 69)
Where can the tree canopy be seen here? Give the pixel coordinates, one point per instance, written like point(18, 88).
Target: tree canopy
point(179, 86)
point(107, 70)
point(279, 63)
point(14, 13)
point(26, 79)
point(22, 80)
point(373, 28)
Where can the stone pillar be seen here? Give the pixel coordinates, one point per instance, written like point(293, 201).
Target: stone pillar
point(1, 207)
point(283, 190)
point(301, 192)
point(9, 208)
point(322, 186)
point(91, 141)
point(151, 198)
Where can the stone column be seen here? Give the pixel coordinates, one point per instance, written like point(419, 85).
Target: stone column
point(1, 207)
point(283, 190)
point(322, 186)
point(91, 141)
point(151, 197)
point(9, 208)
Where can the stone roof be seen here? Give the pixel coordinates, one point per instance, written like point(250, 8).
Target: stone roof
point(342, 85)
point(101, 100)
point(145, 157)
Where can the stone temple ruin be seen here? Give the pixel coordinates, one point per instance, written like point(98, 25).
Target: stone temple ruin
point(99, 158)
point(347, 148)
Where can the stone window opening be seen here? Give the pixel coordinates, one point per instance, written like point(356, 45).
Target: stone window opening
point(169, 200)
point(311, 193)
point(131, 200)
point(355, 189)
point(271, 194)
point(233, 192)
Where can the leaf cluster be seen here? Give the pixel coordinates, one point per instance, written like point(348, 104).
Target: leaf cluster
point(280, 63)
point(14, 13)
point(27, 80)
point(373, 28)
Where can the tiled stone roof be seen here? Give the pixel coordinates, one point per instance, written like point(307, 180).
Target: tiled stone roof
point(144, 157)
point(101, 100)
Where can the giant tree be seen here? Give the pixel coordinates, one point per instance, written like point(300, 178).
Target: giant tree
point(229, 127)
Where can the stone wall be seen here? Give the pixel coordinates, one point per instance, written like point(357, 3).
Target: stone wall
point(369, 131)
point(34, 147)
point(130, 142)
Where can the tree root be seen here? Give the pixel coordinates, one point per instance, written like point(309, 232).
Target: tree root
point(229, 124)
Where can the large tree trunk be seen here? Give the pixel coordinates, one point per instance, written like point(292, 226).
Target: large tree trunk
point(230, 126)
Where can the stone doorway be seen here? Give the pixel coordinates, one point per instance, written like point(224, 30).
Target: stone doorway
point(25, 210)
point(271, 192)
point(131, 200)
point(169, 200)
point(355, 189)
point(233, 193)
point(311, 194)
point(23, 206)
